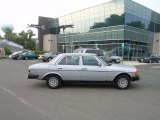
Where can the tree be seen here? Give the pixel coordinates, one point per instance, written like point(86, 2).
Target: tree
point(30, 34)
point(23, 38)
point(7, 29)
point(1, 37)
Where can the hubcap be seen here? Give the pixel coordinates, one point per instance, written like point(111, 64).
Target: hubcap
point(53, 81)
point(123, 82)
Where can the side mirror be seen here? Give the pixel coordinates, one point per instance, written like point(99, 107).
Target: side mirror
point(99, 64)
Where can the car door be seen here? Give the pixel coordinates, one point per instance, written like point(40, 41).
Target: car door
point(92, 69)
point(31, 55)
point(69, 68)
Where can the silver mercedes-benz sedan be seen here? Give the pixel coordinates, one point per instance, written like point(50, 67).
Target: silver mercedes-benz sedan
point(82, 67)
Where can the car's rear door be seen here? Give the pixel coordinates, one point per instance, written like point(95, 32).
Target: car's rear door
point(69, 68)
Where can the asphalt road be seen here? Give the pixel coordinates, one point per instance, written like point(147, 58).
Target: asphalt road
point(22, 99)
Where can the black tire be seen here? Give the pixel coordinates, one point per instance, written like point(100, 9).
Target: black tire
point(26, 58)
point(44, 60)
point(122, 82)
point(53, 82)
point(113, 61)
point(49, 59)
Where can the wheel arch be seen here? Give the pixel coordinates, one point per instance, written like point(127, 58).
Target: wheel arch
point(113, 61)
point(120, 74)
point(52, 74)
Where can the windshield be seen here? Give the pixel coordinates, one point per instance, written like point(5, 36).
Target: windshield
point(102, 61)
point(55, 59)
point(147, 55)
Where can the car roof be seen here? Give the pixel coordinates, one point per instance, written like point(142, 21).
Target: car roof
point(79, 54)
point(88, 49)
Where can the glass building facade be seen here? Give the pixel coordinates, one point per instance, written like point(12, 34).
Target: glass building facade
point(118, 27)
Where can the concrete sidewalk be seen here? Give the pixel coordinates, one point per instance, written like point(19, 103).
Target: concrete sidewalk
point(133, 63)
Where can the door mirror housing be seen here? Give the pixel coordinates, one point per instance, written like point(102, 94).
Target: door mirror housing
point(99, 64)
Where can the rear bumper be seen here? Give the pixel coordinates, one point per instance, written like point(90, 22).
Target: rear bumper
point(135, 78)
point(32, 76)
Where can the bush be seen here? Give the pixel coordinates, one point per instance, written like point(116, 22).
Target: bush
point(7, 51)
point(38, 52)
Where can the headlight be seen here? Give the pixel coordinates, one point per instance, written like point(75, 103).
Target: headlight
point(136, 73)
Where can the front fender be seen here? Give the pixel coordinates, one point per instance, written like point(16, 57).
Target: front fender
point(112, 75)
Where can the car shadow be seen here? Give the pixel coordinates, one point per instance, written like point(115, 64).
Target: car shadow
point(42, 85)
point(88, 85)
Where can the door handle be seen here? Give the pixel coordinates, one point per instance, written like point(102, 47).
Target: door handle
point(60, 68)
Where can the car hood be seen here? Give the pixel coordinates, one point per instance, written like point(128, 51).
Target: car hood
point(39, 66)
point(123, 68)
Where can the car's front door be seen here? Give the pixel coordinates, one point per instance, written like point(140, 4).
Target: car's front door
point(92, 70)
point(69, 68)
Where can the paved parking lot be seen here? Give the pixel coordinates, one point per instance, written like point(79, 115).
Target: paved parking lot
point(22, 99)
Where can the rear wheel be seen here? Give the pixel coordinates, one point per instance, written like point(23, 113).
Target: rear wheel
point(53, 82)
point(122, 82)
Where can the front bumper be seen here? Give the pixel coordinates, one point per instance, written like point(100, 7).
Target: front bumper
point(135, 78)
point(32, 76)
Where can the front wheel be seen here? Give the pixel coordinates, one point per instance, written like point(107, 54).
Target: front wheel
point(122, 82)
point(113, 61)
point(26, 58)
point(53, 82)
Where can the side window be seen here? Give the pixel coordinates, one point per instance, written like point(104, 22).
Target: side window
point(153, 55)
point(89, 60)
point(69, 60)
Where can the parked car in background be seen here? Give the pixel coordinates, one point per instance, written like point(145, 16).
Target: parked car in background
point(15, 56)
point(2, 53)
point(27, 56)
point(46, 57)
point(100, 53)
point(149, 58)
point(82, 67)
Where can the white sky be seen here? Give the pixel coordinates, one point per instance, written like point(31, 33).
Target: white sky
point(19, 13)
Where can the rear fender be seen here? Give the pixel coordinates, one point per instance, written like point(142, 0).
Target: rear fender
point(51, 73)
